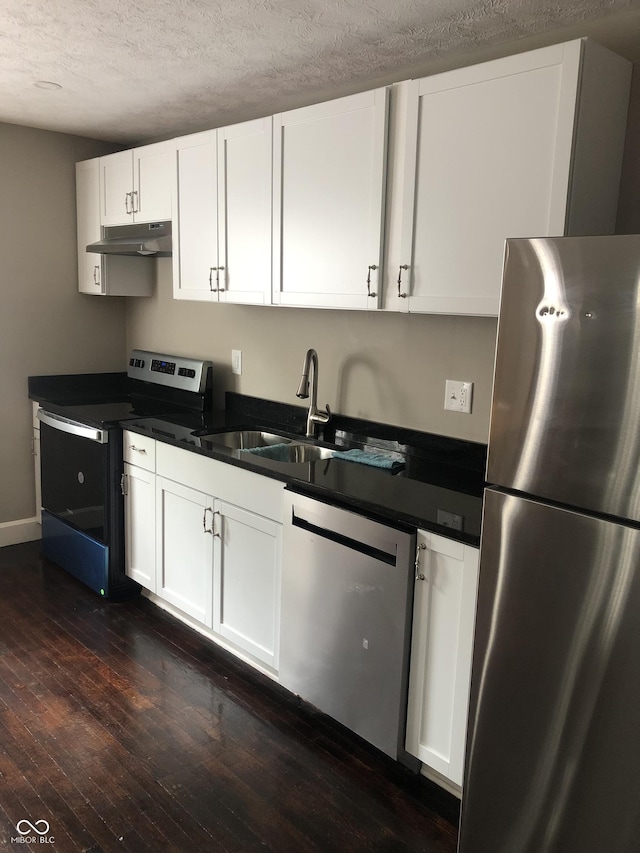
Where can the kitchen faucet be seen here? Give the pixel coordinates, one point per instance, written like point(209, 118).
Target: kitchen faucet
point(314, 416)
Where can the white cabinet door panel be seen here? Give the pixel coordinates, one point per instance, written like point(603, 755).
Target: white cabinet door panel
point(525, 146)
point(184, 552)
point(88, 225)
point(244, 201)
point(195, 257)
point(329, 181)
point(247, 582)
point(116, 187)
point(484, 147)
point(441, 651)
point(153, 171)
point(140, 525)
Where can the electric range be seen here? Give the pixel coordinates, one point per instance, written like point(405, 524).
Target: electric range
point(82, 465)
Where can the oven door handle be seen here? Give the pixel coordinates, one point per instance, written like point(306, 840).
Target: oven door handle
point(100, 436)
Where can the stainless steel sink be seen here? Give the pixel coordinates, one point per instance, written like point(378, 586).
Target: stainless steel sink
point(245, 439)
point(307, 453)
point(269, 445)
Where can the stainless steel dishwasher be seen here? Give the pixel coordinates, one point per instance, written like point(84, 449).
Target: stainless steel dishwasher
point(347, 590)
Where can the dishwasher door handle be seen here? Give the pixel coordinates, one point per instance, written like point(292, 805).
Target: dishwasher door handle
point(389, 557)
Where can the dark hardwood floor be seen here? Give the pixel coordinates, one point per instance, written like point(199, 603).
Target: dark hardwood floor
point(124, 730)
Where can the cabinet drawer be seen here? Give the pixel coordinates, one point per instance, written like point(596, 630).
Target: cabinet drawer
point(139, 450)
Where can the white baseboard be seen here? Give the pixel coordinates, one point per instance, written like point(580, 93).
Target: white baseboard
point(22, 530)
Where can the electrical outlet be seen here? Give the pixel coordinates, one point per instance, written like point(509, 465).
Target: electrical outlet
point(458, 396)
point(450, 519)
point(236, 361)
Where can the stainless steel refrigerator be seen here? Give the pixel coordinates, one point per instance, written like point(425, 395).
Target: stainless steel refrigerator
point(553, 751)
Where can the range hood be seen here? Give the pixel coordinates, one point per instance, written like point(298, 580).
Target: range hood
point(144, 238)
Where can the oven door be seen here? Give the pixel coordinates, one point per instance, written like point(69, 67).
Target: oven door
point(82, 503)
point(74, 472)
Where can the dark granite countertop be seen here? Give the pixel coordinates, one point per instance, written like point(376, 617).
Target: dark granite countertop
point(439, 489)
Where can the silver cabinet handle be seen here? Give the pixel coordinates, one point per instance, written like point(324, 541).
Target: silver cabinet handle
point(96, 275)
point(217, 272)
point(419, 575)
point(137, 449)
point(213, 517)
point(135, 207)
point(371, 293)
point(128, 207)
point(124, 485)
point(401, 294)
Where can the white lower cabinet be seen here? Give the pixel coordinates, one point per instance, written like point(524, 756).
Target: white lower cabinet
point(247, 581)
point(139, 488)
point(206, 538)
point(184, 549)
point(441, 651)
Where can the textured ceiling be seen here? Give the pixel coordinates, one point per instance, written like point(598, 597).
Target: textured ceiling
point(134, 71)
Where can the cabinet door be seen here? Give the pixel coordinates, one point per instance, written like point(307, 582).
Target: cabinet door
point(140, 525)
point(245, 167)
point(441, 649)
point(153, 181)
point(195, 254)
point(247, 582)
point(116, 188)
point(329, 181)
point(488, 157)
point(90, 266)
point(184, 552)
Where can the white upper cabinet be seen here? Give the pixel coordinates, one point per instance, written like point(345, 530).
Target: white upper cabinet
point(222, 228)
point(195, 225)
point(104, 275)
point(137, 185)
point(90, 279)
point(328, 206)
point(526, 146)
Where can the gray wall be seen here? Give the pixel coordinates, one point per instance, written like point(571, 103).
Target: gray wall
point(386, 367)
point(45, 325)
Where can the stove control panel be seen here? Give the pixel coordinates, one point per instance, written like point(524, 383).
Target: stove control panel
point(158, 365)
point(187, 374)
